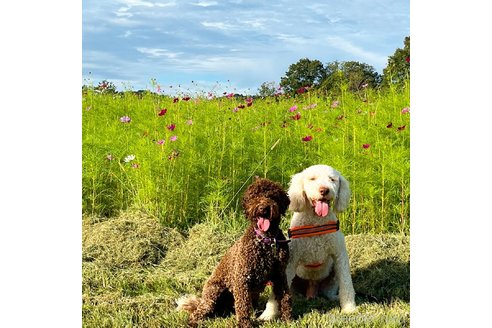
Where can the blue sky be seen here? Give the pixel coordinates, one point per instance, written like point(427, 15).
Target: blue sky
point(239, 44)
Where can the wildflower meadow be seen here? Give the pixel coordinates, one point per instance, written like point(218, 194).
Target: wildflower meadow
point(186, 159)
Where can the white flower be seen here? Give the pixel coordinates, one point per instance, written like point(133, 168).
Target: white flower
point(129, 158)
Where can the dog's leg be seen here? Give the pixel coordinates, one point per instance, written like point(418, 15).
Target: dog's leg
point(329, 285)
point(283, 296)
point(272, 307)
point(243, 305)
point(211, 292)
point(342, 268)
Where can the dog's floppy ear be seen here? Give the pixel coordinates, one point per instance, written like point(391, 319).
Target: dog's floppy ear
point(343, 195)
point(296, 193)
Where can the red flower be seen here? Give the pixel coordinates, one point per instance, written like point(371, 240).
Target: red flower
point(171, 127)
point(365, 146)
point(296, 117)
point(390, 125)
point(162, 112)
point(186, 98)
point(407, 59)
point(249, 104)
point(241, 106)
point(175, 100)
point(307, 138)
point(301, 90)
point(401, 128)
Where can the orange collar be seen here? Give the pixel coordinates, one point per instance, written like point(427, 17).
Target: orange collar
point(313, 230)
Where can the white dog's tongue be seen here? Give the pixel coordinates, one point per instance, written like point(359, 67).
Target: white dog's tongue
point(321, 208)
point(263, 224)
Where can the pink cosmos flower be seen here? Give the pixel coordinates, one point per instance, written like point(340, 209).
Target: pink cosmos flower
point(160, 142)
point(158, 88)
point(405, 110)
point(230, 95)
point(189, 122)
point(171, 127)
point(335, 104)
point(365, 146)
point(162, 112)
point(235, 110)
point(125, 119)
point(135, 165)
point(109, 157)
point(293, 108)
point(307, 138)
point(173, 138)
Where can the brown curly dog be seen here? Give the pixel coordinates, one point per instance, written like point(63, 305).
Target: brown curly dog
point(259, 256)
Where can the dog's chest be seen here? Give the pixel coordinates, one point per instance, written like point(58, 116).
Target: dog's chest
point(314, 249)
point(262, 260)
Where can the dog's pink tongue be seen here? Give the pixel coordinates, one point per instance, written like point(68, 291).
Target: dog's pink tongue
point(321, 208)
point(263, 224)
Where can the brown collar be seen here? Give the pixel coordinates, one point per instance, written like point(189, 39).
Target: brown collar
point(313, 230)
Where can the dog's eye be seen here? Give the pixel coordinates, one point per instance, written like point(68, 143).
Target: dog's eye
point(312, 178)
point(333, 179)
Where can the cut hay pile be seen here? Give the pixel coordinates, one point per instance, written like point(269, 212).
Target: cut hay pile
point(128, 240)
point(134, 269)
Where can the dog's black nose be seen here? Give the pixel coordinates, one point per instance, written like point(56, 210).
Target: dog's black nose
point(324, 191)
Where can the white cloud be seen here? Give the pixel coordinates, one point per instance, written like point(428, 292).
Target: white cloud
point(205, 3)
point(156, 52)
point(135, 3)
point(218, 25)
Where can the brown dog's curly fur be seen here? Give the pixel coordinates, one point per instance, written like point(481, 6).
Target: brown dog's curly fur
point(249, 264)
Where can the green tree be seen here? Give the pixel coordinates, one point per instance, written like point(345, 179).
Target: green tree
point(267, 89)
point(397, 70)
point(350, 75)
point(304, 73)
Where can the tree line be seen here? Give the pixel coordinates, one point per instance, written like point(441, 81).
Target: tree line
point(336, 76)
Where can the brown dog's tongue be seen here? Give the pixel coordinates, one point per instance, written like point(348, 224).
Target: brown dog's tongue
point(321, 208)
point(263, 224)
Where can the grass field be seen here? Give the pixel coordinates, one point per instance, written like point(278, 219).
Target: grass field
point(186, 161)
point(134, 270)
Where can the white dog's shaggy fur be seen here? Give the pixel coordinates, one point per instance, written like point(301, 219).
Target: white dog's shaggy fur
point(313, 192)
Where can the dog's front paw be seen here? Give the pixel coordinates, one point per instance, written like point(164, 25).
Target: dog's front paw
point(348, 308)
point(271, 310)
point(268, 315)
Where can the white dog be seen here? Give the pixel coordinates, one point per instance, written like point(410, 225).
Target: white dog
point(317, 247)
